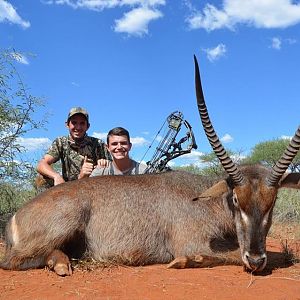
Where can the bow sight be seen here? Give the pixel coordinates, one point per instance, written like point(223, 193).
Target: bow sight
point(168, 147)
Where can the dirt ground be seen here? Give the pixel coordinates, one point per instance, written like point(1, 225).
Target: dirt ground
point(281, 280)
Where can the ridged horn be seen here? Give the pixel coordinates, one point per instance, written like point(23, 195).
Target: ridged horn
point(283, 163)
point(213, 139)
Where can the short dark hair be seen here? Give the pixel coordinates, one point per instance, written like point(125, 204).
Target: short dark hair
point(118, 131)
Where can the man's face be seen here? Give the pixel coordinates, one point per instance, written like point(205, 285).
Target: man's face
point(119, 146)
point(78, 126)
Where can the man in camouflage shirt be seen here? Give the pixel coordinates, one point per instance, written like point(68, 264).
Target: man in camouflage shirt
point(78, 153)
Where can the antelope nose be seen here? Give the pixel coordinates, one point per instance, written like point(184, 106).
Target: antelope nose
point(256, 262)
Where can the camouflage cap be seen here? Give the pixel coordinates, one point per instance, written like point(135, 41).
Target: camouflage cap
point(78, 110)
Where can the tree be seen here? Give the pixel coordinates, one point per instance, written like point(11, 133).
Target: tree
point(211, 164)
point(269, 153)
point(17, 107)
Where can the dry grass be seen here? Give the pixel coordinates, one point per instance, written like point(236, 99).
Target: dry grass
point(291, 252)
point(285, 231)
point(90, 264)
point(289, 237)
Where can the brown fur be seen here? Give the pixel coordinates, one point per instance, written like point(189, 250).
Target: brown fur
point(147, 219)
point(143, 219)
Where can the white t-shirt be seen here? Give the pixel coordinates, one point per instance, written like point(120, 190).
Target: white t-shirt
point(136, 168)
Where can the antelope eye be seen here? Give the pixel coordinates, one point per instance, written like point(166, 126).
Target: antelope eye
point(235, 201)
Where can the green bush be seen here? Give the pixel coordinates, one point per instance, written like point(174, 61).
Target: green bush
point(11, 198)
point(287, 207)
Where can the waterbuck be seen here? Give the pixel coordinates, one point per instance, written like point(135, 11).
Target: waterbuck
point(154, 218)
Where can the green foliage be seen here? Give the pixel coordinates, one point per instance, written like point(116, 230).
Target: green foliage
point(190, 168)
point(11, 198)
point(287, 207)
point(269, 153)
point(211, 164)
point(17, 109)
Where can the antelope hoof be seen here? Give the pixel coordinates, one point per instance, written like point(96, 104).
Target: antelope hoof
point(59, 263)
point(63, 269)
point(183, 262)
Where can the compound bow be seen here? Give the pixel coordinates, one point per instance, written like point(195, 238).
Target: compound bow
point(168, 147)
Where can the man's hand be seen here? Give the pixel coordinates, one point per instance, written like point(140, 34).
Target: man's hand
point(102, 163)
point(58, 179)
point(86, 169)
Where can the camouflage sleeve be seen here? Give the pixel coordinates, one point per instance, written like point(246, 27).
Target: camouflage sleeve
point(54, 149)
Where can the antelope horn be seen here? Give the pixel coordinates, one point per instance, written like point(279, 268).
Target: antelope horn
point(283, 163)
point(214, 141)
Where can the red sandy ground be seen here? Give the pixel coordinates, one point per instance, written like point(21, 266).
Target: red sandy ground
point(280, 281)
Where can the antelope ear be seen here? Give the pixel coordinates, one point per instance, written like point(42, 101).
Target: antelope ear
point(216, 190)
point(290, 180)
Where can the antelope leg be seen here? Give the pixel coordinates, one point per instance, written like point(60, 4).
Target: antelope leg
point(195, 261)
point(59, 262)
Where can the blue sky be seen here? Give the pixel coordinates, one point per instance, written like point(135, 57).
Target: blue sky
point(130, 64)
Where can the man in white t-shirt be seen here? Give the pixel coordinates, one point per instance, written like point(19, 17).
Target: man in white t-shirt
point(119, 146)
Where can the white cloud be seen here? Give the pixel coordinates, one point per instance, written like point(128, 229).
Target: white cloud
point(211, 19)
point(9, 14)
point(291, 41)
point(214, 54)
point(227, 138)
point(192, 158)
point(276, 43)
point(33, 144)
point(159, 138)
point(20, 58)
point(237, 158)
point(193, 155)
point(138, 141)
point(99, 5)
point(257, 13)
point(286, 137)
point(171, 164)
point(136, 21)
point(100, 135)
